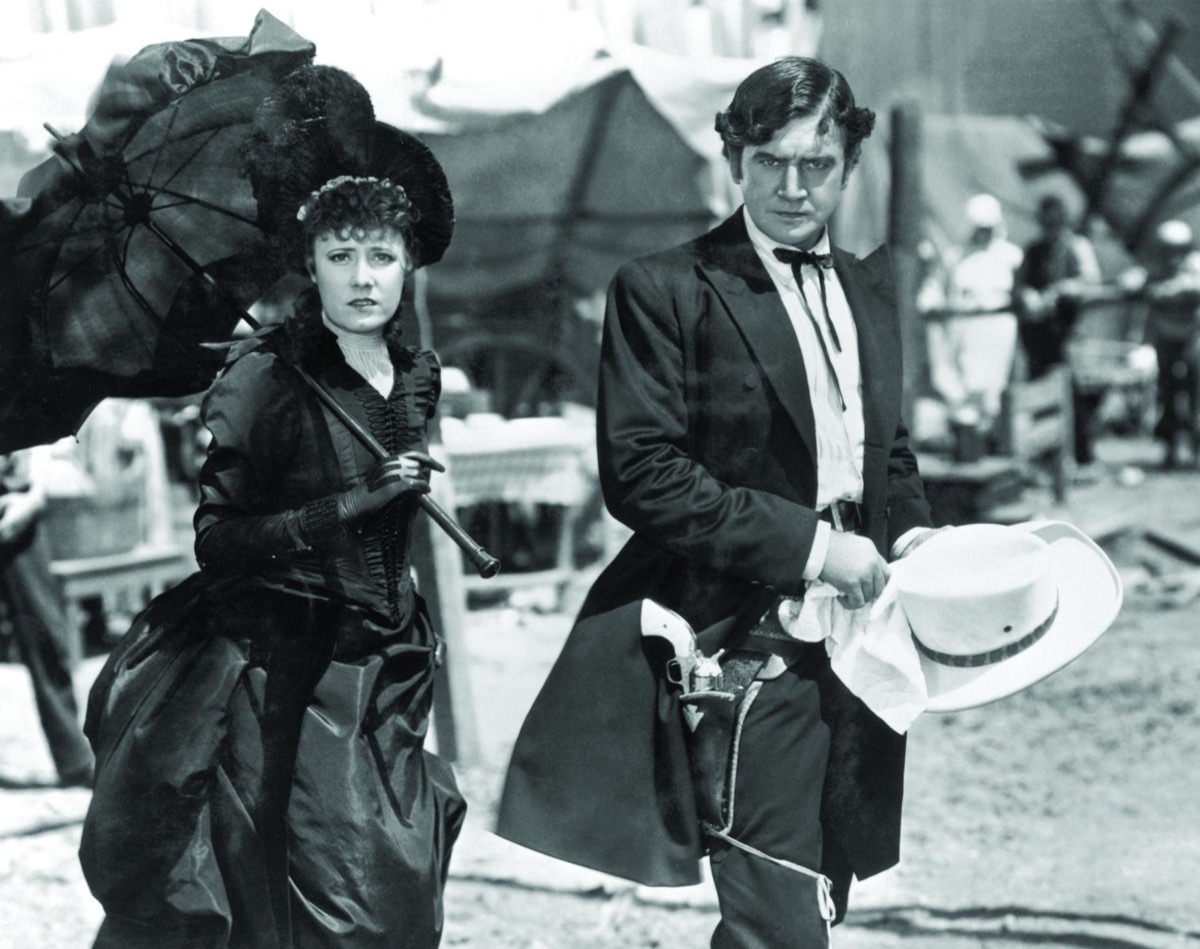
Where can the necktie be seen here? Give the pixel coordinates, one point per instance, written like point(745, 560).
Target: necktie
point(822, 262)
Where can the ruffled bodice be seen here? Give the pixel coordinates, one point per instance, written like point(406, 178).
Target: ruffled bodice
point(278, 456)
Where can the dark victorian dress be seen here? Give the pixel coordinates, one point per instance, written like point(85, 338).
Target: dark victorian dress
point(261, 780)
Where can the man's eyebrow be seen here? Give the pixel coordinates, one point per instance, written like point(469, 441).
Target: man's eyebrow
point(818, 151)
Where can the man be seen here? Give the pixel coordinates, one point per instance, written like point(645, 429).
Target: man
point(1058, 269)
point(749, 433)
point(1170, 283)
point(30, 604)
point(972, 349)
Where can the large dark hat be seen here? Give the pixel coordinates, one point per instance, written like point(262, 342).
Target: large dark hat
point(321, 125)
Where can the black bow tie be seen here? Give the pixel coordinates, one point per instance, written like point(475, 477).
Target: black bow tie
point(794, 257)
point(822, 262)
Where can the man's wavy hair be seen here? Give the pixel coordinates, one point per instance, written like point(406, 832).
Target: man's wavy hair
point(792, 87)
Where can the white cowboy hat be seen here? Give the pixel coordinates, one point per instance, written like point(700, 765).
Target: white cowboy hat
point(994, 609)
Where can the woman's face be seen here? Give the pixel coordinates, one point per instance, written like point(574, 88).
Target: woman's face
point(359, 281)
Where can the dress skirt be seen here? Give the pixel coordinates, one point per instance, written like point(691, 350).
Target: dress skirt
point(261, 781)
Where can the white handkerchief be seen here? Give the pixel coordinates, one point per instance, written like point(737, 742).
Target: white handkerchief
point(870, 649)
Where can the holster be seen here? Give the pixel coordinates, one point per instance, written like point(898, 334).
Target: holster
point(712, 741)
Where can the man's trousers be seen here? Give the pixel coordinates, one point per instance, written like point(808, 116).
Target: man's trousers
point(782, 754)
point(32, 603)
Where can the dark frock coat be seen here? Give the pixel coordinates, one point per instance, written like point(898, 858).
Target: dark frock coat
point(707, 450)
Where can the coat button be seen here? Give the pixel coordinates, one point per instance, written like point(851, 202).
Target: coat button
point(751, 380)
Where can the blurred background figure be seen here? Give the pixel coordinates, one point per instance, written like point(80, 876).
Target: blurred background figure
point(971, 349)
point(31, 611)
point(1170, 282)
point(1058, 269)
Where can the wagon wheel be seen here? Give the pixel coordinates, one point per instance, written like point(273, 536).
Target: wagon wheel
point(525, 376)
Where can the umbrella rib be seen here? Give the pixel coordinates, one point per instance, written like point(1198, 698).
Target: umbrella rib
point(69, 272)
point(134, 291)
point(183, 164)
point(191, 199)
point(167, 205)
point(159, 152)
point(55, 283)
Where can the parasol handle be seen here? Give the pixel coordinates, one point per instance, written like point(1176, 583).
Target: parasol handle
point(485, 563)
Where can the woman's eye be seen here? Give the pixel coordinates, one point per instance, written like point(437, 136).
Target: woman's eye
point(339, 257)
point(381, 257)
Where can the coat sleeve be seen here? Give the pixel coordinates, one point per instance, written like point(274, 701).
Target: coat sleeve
point(650, 474)
point(252, 413)
point(906, 504)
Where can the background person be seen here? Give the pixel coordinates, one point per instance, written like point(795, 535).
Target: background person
point(32, 609)
point(749, 432)
point(971, 350)
point(261, 774)
point(1059, 268)
point(1170, 283)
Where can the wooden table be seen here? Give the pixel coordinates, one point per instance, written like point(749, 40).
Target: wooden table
point(123, 582)
point(968, 492)
point(548, 461)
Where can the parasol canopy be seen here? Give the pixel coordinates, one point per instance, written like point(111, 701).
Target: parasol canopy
point(109, 254)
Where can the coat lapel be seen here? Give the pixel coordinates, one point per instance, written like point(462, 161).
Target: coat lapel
point(732, 267)
point(864, 284)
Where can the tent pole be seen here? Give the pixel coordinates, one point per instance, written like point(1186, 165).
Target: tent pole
point(906, 210)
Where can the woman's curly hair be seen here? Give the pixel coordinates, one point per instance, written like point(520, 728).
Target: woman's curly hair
point(358, 208)
point(789, 88)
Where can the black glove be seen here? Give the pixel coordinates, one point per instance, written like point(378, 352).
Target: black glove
point(401, 475)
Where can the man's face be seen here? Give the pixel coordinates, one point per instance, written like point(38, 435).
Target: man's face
point(792, 184)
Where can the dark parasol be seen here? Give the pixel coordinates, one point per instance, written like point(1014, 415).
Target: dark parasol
point(143, 238)
point(110, 254)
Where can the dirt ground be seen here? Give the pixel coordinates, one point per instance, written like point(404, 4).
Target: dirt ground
point(1065, 816)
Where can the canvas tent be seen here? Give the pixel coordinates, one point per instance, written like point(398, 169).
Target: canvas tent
point(566, 195)
point(991, 77)
point(568, 154)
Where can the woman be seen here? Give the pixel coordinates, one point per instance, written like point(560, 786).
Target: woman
point(261, 780)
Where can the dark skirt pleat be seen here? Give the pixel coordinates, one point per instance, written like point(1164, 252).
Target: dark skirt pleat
point(267, 787)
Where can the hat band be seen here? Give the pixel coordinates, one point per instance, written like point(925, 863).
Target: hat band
point(992, 656)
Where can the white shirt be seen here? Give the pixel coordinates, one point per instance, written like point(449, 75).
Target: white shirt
point(840, 433)
point(983, 278)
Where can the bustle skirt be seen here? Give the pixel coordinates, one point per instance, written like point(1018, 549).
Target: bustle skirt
point(261, 779)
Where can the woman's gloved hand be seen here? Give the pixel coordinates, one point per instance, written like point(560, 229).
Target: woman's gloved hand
point(401, 475)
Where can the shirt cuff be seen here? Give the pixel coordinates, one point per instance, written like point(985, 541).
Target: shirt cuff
point(905, 540)
point(816, 555)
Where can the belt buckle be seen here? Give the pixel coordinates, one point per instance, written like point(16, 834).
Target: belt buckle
point(845, 516)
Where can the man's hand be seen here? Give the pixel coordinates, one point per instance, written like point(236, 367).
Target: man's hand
point(854, 566)
point(18, 511)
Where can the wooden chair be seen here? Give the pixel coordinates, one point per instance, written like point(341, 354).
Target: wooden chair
point(1036, 426)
